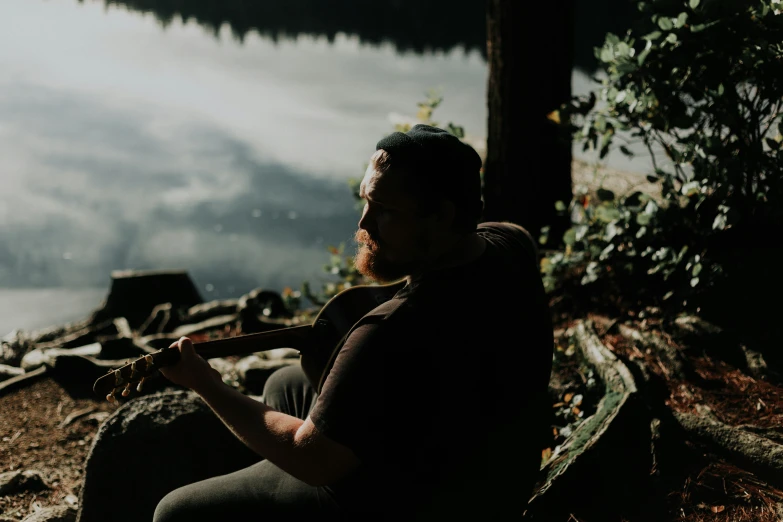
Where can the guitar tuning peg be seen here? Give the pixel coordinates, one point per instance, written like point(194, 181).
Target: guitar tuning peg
point(110, 397)
point(127, 390)
point(149, 360)
point(141, 382)
point(133, 369)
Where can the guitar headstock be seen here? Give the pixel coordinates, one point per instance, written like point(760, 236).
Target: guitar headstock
point(133, 374)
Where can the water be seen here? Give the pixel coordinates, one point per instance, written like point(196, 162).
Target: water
point(127, 145)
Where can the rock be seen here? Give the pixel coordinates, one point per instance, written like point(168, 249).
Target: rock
point(53, 514)
point(15, 481)
point(6, 372)
point(135, 293)
point(266, 303)
point(14, 346)
point(175, 430)
point(253, 371)
point(40, 357)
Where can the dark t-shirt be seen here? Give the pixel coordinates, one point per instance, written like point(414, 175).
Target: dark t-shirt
point(442, 391)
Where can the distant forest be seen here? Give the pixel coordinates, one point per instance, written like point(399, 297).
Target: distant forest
point(418, 26)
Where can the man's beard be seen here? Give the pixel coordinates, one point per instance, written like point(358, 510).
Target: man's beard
point(371, 264)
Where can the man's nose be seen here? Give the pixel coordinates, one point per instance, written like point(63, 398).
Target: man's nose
point(366, 221)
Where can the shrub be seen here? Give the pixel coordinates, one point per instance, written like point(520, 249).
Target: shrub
point(701, 91)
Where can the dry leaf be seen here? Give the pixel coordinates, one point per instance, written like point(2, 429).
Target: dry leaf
point(717, 509)
point(546, 453)
point(568, 397)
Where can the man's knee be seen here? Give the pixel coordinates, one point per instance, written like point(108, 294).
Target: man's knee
point(173, 508)
point(284, 379)
point(288, 390)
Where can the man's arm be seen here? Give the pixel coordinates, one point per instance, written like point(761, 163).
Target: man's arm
point(294, 445)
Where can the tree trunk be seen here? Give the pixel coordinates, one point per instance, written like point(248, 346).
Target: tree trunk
point(528, 163)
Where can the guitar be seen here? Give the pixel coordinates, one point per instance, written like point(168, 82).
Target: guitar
point(318, 343)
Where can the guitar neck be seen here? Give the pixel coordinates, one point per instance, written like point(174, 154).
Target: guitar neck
point(297, 337)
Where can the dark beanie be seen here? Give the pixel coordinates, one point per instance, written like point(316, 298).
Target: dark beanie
point(440, 159)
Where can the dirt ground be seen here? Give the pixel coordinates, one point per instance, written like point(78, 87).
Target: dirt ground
point(34, 436)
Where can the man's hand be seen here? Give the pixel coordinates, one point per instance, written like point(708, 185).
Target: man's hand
point(192, 370)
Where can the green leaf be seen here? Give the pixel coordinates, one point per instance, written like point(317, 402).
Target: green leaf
point(682, 18)
point(607, 214)
point(643, 219)
point(607, 54)
point(696, 269)
point(720, 90)
point(697, 28)
point(560, 206)
point(694, 4)
point(672, 38)
point(652, 36)
point(665, 23)
point(642, 57)
point(720, 222)
point(642, 231)
point(694, 281)
point(625, 150)
point(772, 143)
point(569, 238)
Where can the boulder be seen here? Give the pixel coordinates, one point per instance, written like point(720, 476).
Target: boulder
point(151, 446)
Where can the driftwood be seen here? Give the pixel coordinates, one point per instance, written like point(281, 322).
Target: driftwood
point(17, 382)
point(756, 453)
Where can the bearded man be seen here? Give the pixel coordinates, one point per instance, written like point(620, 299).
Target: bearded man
point(436, 405)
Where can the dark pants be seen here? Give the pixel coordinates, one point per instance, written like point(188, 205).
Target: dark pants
point(262, 491)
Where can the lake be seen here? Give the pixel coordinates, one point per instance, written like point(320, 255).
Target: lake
point(133, 140)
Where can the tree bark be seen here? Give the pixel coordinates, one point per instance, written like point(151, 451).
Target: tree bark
point(528, 163)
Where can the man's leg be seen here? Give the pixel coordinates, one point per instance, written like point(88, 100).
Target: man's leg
point(262, 492)
point(263, 489)
point(288, 391)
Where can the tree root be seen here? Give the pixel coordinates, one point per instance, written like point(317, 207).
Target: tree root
point(759, 454)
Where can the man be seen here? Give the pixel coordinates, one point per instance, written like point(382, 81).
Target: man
point(436, 406)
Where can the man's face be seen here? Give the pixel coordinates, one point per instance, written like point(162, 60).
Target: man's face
point(393, 240)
